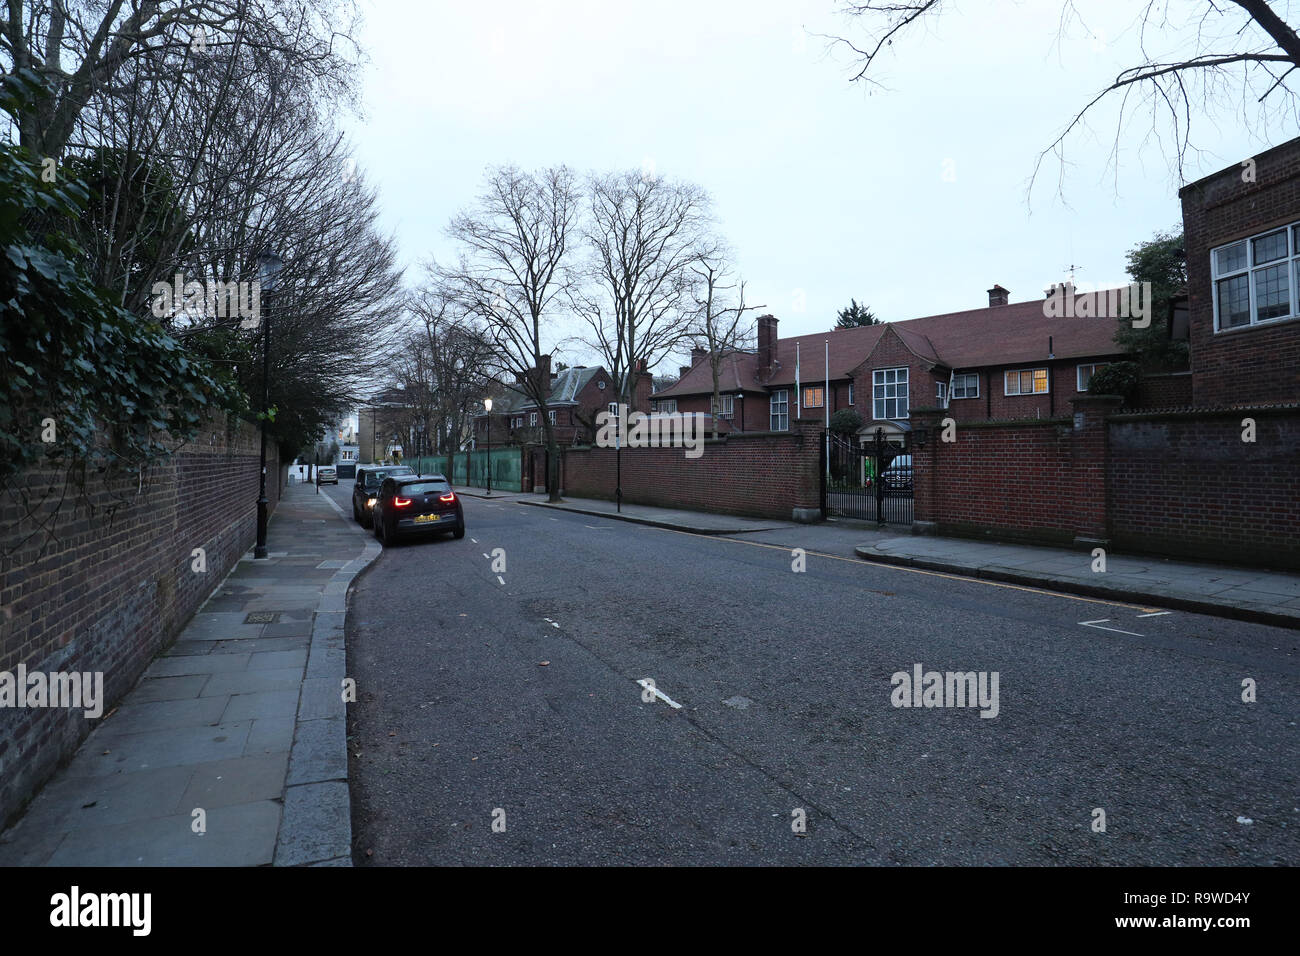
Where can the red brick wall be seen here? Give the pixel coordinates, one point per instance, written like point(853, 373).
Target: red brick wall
point(1176, 483)
point(1187, 484)
point(104, 582)
point(763, 474)
point(1254, 364)
point(1165, 390)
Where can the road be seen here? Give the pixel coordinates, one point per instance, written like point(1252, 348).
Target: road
point(513, 699)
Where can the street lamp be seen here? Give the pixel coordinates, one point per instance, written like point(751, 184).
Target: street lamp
point(268, 272)
point(419, 446)
point(487, 405)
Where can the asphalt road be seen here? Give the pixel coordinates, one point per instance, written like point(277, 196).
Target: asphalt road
point(514, 699)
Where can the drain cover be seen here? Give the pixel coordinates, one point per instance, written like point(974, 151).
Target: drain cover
point(262, 617)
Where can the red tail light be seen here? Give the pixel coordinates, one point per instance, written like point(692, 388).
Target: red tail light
point(401, 502)
point(449, 497)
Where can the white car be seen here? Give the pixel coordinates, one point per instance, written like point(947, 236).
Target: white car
point(327, 475)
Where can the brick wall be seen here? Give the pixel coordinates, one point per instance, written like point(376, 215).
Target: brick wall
point(1165, 390)
point(1252, 364)
point(1182, 484)
point(763, 474)
point(103, 581)
point(1187, 484)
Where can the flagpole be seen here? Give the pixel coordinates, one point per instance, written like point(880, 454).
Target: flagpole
point(826, 403)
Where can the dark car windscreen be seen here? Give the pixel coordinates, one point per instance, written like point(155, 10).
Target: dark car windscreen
point(424, 488)
point(376, 478)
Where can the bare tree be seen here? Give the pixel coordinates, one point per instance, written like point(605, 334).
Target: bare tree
point(644, 234)
point(1240, 48)
point(513, 275)
point(719, 325)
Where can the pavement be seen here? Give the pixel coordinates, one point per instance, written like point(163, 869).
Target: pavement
point(1239, 593)
point(231, 750)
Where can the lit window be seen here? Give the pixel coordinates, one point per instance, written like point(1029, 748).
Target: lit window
point(813, 397)
point(1028, 381)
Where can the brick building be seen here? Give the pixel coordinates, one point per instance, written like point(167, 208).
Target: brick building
point(1241, 230)
point(1004, 361)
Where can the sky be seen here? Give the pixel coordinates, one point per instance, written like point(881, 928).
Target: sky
point(911, 197)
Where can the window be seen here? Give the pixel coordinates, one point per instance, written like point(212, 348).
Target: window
point(1027, 381)
point(889, 393)
point(1255, 279)
point(550, 415)
point(941, 393)
point(850, 393)
point(726, 406)
point(966, 385)
point(532, 419)
point(813, 397)
point(780, 408)
point(613, 409)
point(1085, 374)
point(666, 405)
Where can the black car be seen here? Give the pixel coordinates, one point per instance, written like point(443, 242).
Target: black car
point(898, 475)
point(417, 504)
point(369, 478)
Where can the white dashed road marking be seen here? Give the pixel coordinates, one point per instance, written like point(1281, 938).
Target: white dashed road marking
point(501, 580)
point(1155, 614)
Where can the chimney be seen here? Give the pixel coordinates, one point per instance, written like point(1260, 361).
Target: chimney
point(682, 371)
point(642, 387)
point(697, 356)
point(998, 295)
point(766, 344)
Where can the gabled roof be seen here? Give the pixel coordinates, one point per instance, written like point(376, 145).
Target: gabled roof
point(1012, 334)
point(738, 372)
point(564, 391)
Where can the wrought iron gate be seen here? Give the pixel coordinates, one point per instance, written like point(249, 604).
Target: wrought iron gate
point(871, 481)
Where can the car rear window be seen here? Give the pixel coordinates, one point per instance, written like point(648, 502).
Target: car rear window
point(424, 488)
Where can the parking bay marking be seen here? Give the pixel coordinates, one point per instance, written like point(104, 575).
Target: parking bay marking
point(1098, 625)
point(647, 684)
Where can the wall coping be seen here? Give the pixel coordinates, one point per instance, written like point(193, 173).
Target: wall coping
point(1180, 414)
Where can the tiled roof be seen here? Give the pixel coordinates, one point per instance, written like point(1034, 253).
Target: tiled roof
point(994, 335)
point(738, 371)
point(564, 390)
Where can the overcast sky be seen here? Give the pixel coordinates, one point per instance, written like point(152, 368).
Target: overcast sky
point(825, 189)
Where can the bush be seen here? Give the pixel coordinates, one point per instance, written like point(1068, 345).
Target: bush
point(846, 421)
point(1118, 378)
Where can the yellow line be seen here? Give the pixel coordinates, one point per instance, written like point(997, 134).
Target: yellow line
point(899, 567)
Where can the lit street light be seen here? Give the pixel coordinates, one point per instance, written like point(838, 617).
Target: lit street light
point(487, 405)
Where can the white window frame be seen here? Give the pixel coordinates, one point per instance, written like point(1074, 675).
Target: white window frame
point(532, 419)
point(941, 394)
point(961, 385)
point(1078, 374)
point(550, 414)
point(1251, 270)
point(666, 405)
point(880, 400)
point(778, 408)
point(727, 406)
point(850, 393)
point(613, 410)
point(815, 389)
point(1017, 372)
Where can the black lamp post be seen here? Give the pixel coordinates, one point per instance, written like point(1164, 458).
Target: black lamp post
point(268, 270)
point(487, 405)
point(419, 447)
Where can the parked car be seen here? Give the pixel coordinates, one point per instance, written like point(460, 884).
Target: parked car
point(327, 475)
point(897, 476)
point(369, 478)
point(417, 504)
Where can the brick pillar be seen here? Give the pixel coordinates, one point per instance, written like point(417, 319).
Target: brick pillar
point(1089, 460)
point(926, 468)
point(807, 508)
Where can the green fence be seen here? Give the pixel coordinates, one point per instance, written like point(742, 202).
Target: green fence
point(470, 468)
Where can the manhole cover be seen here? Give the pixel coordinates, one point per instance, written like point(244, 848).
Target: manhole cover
point(262, 617)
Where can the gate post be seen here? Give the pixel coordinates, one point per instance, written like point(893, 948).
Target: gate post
point(880, 472)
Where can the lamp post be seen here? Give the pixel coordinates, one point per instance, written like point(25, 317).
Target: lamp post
point(419, 447)
point(487, 405)
point(268, 270)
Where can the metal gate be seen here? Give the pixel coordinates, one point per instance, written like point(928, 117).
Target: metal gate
point(872, 481)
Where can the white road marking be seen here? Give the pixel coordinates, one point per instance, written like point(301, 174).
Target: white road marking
point(501, 580)
point(598, 527)
point(1155, 614)
point(1097, 624)
point(487, 557)
point(550, 622)
point(475, 540)
point(647, 684)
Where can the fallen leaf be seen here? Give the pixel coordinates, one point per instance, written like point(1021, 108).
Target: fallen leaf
point(543, 663)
